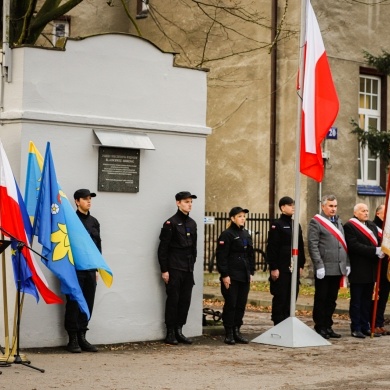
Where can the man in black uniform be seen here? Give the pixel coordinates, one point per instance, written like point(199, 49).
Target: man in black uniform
point(76, 322)
point(279, 260)
point(177, 256)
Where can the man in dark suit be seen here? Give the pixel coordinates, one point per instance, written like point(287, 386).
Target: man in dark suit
point(363, 250)
point(328, 252)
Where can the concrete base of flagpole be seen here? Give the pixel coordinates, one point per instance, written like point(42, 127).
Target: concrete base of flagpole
point(291, 333)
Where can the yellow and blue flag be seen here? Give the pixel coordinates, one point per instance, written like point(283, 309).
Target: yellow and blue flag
point(51, 228)
point(85, 254)
point(33, 179)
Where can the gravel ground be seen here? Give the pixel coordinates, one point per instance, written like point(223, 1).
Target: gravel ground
point(210, 364)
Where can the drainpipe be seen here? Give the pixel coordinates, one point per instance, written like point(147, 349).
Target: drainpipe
point(272, 153)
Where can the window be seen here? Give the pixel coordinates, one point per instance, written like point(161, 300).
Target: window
point(60, 31)
point(142, 9)
point(369, 118)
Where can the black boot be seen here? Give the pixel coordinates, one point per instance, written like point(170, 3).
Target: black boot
point(84, 344)
point(171, 338)
point(238, 337)
point(180, 336)
point(229, 338)
point(73, 345)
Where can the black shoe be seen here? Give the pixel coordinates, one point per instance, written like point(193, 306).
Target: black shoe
point(323, 333)
point(332, 334)
point(238, 337)
point(73, 345)
point(368, 333)
point(171, 338)
point(229, 338)
point(180, 336)
point(358, 334)
point(84, 344)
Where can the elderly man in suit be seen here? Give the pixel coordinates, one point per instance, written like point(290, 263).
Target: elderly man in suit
point(364, 250)
point(328, 252)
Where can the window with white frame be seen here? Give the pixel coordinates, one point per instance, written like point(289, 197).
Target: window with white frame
point(60, 30)
point(369, 118)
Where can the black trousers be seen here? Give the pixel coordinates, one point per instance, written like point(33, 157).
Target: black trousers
point(360, 305)
point(325, 297)
point(384, 291)
point(76, 320)
point(235, 301)
point(281, 301)
point(179, 290)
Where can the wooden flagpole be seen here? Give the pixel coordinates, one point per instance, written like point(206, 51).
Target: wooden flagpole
point(5, 307)
point(379, 269)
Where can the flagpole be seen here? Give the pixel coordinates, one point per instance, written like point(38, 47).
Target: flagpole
point(379, 269)
point(294, 252)
point(292, 332)
point(5, 303)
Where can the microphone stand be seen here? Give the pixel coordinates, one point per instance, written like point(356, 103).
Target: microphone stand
point(19, 246)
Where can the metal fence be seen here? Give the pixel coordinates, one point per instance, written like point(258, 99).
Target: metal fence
point(216, 222)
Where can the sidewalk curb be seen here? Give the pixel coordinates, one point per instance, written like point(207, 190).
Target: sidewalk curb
point(261, 302)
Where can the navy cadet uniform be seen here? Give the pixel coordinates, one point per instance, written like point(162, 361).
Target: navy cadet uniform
point(279, 258)
point(76, 322)
point(235, 258)
point(177, 255)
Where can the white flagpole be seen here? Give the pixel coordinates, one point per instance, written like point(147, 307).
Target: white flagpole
point(294, 252)
point(292, 332)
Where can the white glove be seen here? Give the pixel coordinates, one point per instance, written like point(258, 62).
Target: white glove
point(379, 252)
point(348, 269)
point(320, 273)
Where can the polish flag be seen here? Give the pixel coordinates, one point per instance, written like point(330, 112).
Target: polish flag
point(320, 102)
point(12, 224)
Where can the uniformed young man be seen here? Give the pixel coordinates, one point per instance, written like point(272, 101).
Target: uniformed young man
point(177, 255)
point(279, 259)
point(76, 322)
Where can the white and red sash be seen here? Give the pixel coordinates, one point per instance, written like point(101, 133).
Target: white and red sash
point(332, 230)
point(365, 230)
point(380, 232)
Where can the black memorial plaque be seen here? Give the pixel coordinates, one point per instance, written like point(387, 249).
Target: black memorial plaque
point(118, 169)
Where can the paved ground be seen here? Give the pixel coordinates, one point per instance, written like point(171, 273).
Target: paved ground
point(347, 363)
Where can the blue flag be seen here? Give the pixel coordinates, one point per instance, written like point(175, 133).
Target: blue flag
point(51, 228)
point(85, 253)
point(33, 179)
point(19, 263)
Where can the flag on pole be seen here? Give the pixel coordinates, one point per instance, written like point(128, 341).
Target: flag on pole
point(385, 246)
point(15, 224)
point(85, 254)
point(320, 103)
point(52, 231)
point(33, 179)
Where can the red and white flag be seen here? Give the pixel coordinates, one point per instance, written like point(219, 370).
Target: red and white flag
point(12, 224)
point(320, 103)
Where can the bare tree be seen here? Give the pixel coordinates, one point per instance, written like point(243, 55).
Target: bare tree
point(235, 26)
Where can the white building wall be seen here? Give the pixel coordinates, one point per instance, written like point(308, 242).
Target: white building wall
point(112, 82)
